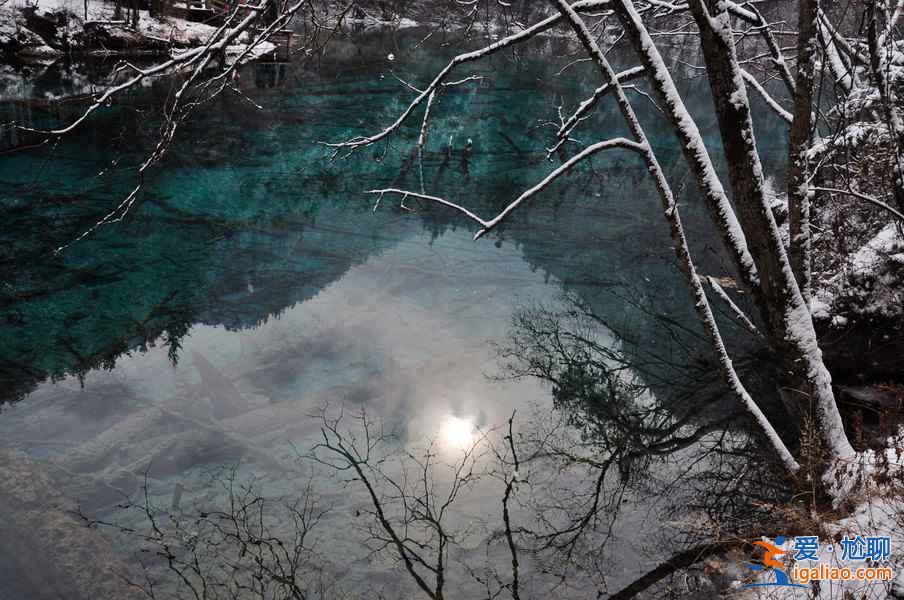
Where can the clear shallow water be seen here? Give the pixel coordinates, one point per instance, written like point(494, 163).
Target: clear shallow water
point(254, 284)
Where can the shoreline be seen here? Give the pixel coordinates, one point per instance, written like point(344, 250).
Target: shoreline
point(52, 29)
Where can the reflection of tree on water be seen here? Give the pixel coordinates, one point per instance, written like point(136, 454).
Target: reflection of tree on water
point(270, 75)
point(228, 202)
point(137, 286)
point(560, 484)
point(654, 427)
point(247, 546)
point(599, 387)
point(242, 250)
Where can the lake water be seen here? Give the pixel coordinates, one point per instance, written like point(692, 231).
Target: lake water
point(254, 284)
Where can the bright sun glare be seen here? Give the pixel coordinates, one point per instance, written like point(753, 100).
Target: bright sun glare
point(457, 432)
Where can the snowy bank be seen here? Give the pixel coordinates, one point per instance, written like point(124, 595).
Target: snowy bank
point(47, 29)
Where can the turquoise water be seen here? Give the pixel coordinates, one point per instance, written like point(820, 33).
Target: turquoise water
point(253, 282)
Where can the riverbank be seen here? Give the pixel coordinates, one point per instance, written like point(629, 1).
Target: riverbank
point(49, 29)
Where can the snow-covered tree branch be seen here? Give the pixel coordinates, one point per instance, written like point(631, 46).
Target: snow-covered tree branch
point(774, 271)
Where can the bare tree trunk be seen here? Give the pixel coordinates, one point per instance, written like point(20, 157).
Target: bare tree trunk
point(806, 383)
point(694, 150)
point(670, 209)
point(843, 74)
point(789, 325)
point(747, 225)
point(798, 144)
point(878, 65)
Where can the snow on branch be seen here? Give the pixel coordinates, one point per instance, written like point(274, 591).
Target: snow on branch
point(743, 319)
point(752, 15)
point(587, 105)
point(770, 101)
point(892, 22)
point(744, 12)
point(834, 45)
point(876, 202)
point(466, 57)
point(201, 80)
point(405, 194)
point(217, 42)
point(667, 8)
point(487, 225)
point(631, 19)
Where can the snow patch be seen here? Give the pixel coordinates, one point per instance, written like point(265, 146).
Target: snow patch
point(886, 243)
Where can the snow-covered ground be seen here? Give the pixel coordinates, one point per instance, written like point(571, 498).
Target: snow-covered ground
point(877, 517)
point(174, 30)
point(151, 33)
point(98, 35)
point(868, 283)
point(14, 33)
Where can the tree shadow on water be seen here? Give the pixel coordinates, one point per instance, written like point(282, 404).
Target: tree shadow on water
point(642, 481)
point(667, 469)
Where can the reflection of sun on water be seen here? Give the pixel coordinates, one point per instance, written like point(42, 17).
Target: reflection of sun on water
point(458, 433)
